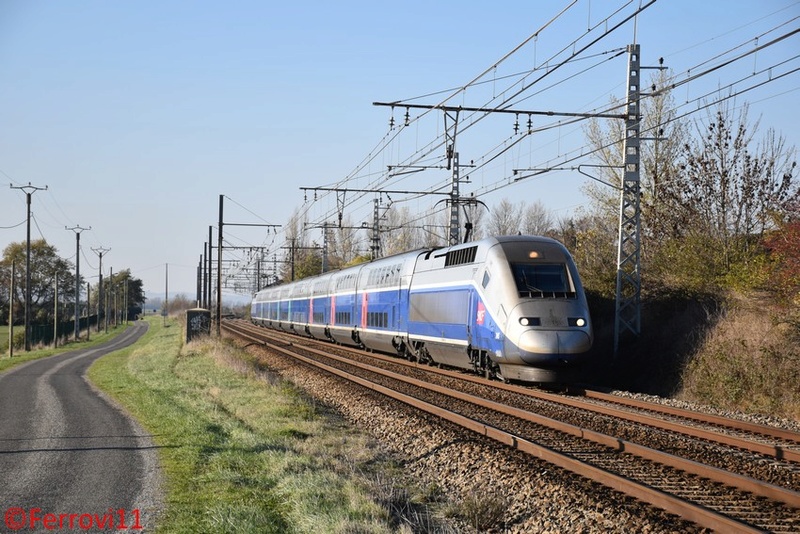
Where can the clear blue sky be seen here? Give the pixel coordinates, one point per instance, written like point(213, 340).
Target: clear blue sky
point(138, 114)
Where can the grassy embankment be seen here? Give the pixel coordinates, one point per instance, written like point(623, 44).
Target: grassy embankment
point(241, 454)
point(748, 360)
point(740, 353)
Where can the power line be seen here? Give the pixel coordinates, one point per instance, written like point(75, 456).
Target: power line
point(523, 87)
point(14, 226)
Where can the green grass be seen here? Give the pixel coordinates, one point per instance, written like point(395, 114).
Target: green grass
point(238, 453)
point(20, 356)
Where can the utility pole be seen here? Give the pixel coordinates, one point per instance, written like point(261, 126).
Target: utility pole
point(29, 191)
point(258, 269)
point(100, 309)
point(325, 267)
point(203, 274)
point(108, 297)
point(220, 226)
point(11, 311)
point(219, 269)
point(292, 265)
point(114, 304)
point(166, 293)
point(88, 299)
point(77, 229)
point(209, 292)
point(127, 286)
point(55, 313)
point(199, 299)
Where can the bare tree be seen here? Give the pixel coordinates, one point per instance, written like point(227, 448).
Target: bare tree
point(297, 249)
point(729, 187)
point(505, 218)
point(537, 219)
point(659, 155)
point(343, 243)
point(435, 229)
point(399, 232)
point(590, 238)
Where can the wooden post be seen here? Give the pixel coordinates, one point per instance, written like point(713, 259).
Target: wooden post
point(11, 312)
point(55, 315)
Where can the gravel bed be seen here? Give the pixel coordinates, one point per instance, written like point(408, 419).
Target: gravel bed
point(723, 457)
point(476, 481)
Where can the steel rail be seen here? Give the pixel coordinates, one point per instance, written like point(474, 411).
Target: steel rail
point(745, 426)
point(778, 452)
point(756, 487)
point(697, 513)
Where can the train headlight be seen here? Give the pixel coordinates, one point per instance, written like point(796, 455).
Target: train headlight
point(530, 321)
point(576, 321)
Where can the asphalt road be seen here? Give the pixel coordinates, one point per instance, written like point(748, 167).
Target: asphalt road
point(70, 460)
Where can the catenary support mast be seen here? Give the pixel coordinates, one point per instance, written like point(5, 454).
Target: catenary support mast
point(628, 298)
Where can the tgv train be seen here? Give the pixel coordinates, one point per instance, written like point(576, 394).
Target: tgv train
point(511, 307)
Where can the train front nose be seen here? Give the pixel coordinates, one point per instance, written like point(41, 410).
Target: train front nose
point(535, 343)
point(549, 333)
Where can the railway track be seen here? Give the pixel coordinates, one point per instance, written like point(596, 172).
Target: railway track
point(650, 454)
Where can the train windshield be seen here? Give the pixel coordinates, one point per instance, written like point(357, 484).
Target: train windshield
point(542, 280)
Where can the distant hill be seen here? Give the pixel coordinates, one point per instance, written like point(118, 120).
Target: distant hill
point(155, 299)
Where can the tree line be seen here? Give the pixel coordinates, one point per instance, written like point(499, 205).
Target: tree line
point(53, 278)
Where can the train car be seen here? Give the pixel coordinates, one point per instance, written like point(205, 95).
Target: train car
point(511, 307)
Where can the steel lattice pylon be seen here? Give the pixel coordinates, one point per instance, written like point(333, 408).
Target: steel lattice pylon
point(628, 298)
point(455, 220)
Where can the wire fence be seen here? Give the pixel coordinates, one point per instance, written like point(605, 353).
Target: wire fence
point(43, 334)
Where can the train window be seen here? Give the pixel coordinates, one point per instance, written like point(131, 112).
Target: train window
point(486, 278)
point(346, 282)
point(542, 280)
point(379, 319)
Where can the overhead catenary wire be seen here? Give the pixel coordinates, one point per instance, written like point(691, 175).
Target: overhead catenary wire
point(570, 154)
point(436, 145)
point(504, 182)
point(474, 80)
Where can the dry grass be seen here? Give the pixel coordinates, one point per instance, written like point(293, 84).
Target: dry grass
point(749, 361)
point(480, 508)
